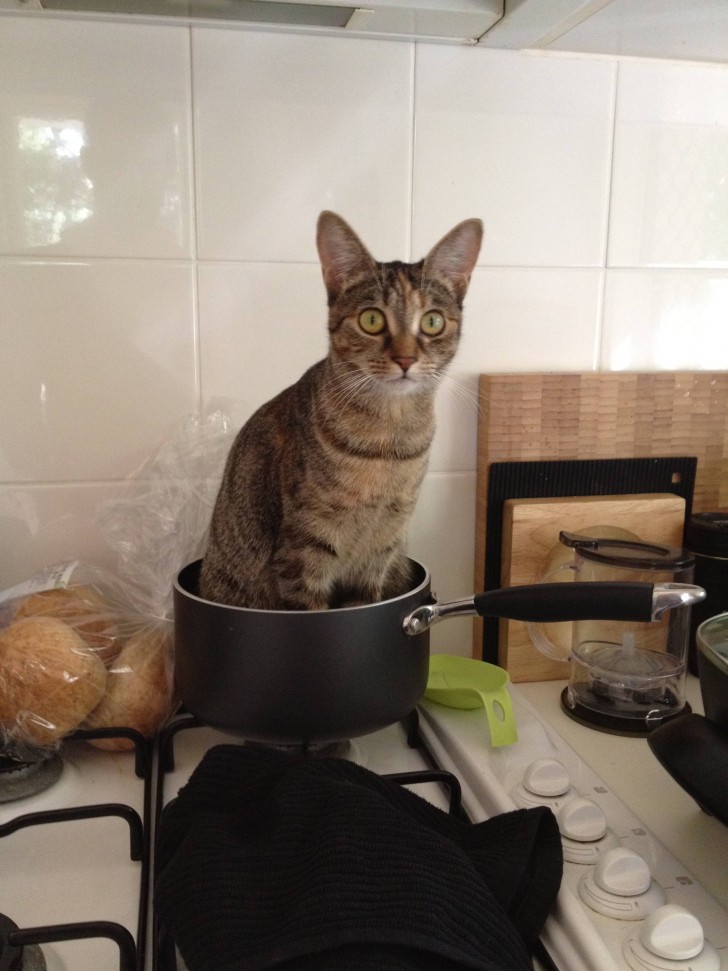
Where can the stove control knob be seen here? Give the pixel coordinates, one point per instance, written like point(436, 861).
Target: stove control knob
point(620, 885)
point(581, 819)
point(545, 783)
point(672, 932)
point(624, 872)
point(546, 777)
point(671, 937)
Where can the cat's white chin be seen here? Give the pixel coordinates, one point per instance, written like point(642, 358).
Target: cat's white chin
point(402, 385)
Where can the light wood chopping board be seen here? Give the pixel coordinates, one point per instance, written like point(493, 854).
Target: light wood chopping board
point(529, 417)
point(531, 548)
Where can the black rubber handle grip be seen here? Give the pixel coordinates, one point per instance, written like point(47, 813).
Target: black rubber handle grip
point(553, 602)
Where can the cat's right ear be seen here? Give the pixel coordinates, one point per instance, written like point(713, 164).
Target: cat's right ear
point(343, 255)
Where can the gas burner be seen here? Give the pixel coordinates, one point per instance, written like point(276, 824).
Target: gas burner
point(18, 780)
point(28, 958)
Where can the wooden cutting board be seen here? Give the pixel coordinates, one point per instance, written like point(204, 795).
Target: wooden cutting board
point(528, 417)
point(531, 548)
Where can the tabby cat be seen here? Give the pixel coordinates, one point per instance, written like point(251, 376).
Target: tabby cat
point(321, 481)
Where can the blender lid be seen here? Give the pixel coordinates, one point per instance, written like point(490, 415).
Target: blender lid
point(628, 554)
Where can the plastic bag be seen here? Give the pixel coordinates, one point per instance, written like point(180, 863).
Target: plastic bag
point(75, 651)
point(82, 647)
point(161, 523)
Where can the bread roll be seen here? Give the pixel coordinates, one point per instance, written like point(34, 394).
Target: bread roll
point(139, 689)
point(49, 679)
point(81, 607)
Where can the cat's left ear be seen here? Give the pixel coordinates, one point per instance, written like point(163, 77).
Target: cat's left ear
point(343, 255)
point(454, 257)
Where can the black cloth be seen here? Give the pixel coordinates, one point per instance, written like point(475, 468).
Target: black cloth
point(267, 860)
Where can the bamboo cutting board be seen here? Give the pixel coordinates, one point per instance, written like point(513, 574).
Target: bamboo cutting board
point(531, 548)
point(529, 417)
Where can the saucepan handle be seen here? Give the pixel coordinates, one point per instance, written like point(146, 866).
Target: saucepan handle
point(555, 602)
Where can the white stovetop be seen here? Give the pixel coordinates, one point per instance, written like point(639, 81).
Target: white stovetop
point(628, 766)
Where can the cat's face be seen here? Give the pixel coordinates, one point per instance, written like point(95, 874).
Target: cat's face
point(395, 326)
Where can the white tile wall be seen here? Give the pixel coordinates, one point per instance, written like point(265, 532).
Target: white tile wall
point(665, 319)
point(98, 359)
point(45, 524)
point(524, 141)
point(261, 326)
point(285, 128)
point(670, 179)
point(95, 144)
point(158, 194)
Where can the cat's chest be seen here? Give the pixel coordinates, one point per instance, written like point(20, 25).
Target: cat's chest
point(368, 509)
point(365, 518)
point(365, 471)
point(354, 497)
point(377, 484)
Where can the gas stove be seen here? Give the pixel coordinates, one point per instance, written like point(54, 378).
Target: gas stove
point(77, 863)
point(75, 852)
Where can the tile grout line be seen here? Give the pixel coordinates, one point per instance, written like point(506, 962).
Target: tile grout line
point(194, 229)
point(599, 342)
point(412, 142)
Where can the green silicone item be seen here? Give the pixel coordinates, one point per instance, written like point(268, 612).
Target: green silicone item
point(463, 682)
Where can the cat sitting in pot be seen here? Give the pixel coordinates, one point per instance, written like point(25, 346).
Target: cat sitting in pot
point(321, 482)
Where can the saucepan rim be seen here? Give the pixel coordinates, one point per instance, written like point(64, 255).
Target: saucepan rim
point(422, 586)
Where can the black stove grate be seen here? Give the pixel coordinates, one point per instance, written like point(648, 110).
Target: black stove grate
point(131, 953)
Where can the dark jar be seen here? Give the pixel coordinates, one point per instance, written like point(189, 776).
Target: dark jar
point(706, 536)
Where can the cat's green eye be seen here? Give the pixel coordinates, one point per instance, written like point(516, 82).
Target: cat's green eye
point(432, 324)
point(372, 321)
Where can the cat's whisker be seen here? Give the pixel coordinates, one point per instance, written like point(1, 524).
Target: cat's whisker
point(455, 388)
point(346, 395)
point(345, 387)
point(353, 380)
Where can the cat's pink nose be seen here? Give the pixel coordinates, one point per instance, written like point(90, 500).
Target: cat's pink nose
point(405, 362)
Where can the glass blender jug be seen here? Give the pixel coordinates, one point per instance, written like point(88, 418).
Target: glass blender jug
point(625, 677)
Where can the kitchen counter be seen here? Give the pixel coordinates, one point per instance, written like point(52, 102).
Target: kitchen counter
point(628, 766)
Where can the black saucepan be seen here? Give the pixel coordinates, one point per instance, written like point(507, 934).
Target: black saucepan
point(301, 677)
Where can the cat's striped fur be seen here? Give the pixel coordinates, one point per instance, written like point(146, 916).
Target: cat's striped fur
point(320, 483)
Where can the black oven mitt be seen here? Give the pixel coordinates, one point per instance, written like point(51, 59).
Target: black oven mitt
point(267, 860)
